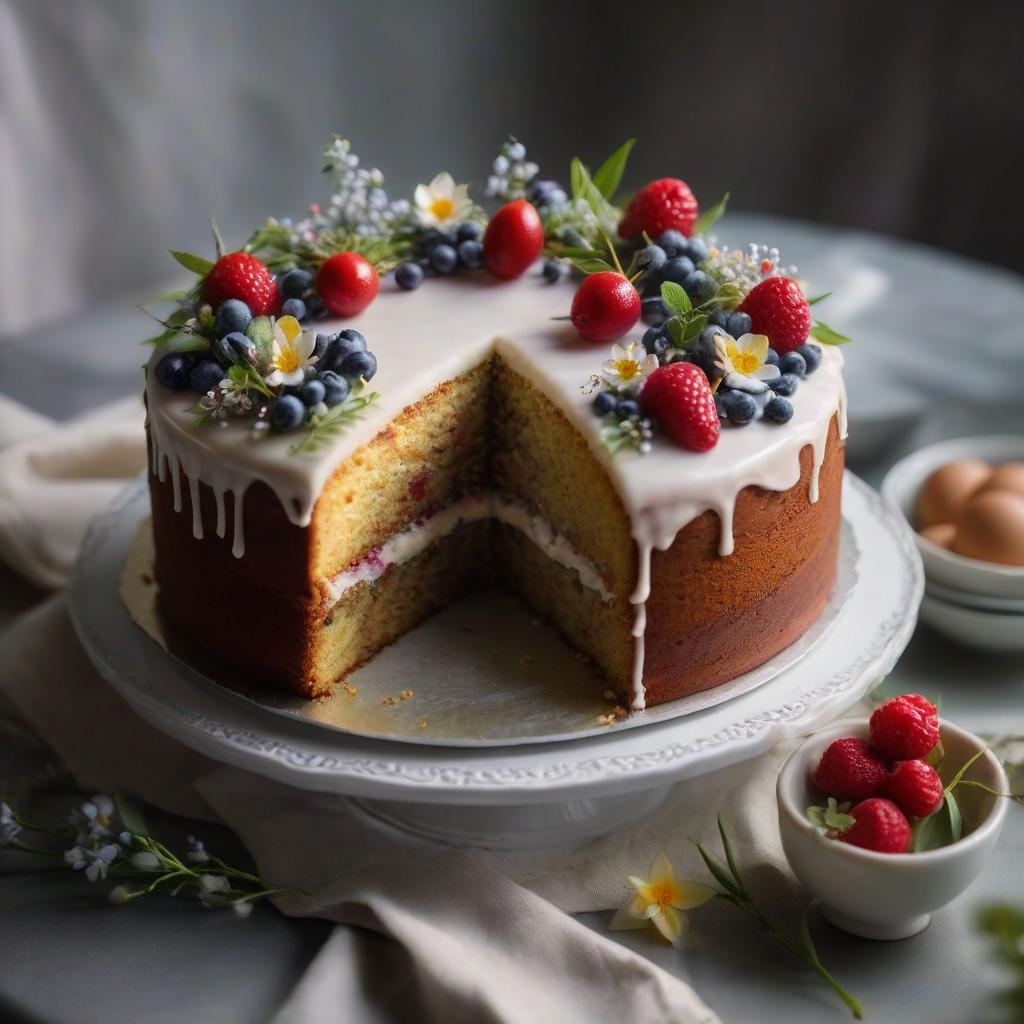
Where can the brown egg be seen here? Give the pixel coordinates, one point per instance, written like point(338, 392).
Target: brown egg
point(1007, 477)
point(941, 534)
point(947, 489)
point(991, 528)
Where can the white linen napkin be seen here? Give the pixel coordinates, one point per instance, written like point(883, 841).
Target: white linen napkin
point(479, 935)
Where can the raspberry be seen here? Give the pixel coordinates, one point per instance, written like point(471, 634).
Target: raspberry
point(778, 307)
point(915, 786)
point(849, 770)
point(679, 397)
point(664, 205)
point(878, 825)
point(905, 728)
point(241, 276)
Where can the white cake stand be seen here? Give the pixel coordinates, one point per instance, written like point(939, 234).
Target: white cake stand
point(510, 796)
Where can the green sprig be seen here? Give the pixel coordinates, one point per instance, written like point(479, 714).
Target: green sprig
point(734, 891)
point(323, 428)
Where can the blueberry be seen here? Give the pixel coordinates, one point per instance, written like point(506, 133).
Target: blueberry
point(359, 364)
point(471, 254)
point(288, 413)
point(779, 409)
point(430, 239)
point(315, 308)
point(205, 376)
point(738, 324)
point(546, 193)
point(740, 408)
point(695, 249)
point(719, 318)
point(653, 311)
point(234, 348)
point(443, 258)
point(408, 276)
point(339, 347)
point(699, 286)
point(785, 384)
point(772, 357)
point(570, 236)
point(469, 231)
point(336, 388)
point(673, 242)
point(684, 357)
point(629, 410)
point(719, 397)
point(793, 362)
point(811, 356)
point(654, 340)
point(677, 269)
point(232, 315)
point(294, 307)
point(554, 271)
point(650, 259)
point(313, 392)
point(173, 371)
point(295, 283)
point(604, 402)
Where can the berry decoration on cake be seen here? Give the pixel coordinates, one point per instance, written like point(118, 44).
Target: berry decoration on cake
point(347, 283)
point(778, 308)
point(242, 277)
point(513, 240)
point(605, 306)
point(680, 399)
point(664, 205)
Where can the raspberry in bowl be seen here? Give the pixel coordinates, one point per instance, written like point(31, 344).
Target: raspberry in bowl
point(865, 824)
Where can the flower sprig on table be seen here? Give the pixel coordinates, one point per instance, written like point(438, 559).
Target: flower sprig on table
point(661, 898)
point(106, 837)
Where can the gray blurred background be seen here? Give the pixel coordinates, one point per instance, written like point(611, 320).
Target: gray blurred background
point(126, 124)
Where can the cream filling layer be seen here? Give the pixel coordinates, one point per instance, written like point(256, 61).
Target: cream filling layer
point(421, 533)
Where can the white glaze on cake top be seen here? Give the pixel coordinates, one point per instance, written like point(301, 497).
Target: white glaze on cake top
point(447, 327)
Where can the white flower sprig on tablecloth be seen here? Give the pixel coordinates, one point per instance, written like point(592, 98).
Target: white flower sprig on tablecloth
point(660, 899)
point(109, 839)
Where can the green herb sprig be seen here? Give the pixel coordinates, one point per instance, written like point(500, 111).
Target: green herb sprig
point(322, 429)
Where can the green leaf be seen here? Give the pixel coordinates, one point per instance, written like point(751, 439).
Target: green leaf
point(584, 188)
point(711, 215)
point(955, 781)
point(174, 295)
point(261, 333)
point(592, 266)
point(675, 330)
point(942, 828)
point(577, 173)
point(717, 871)
point(695, 325)
point(609, 175)
point(130, 811)
point(197, 264)
point(323, 428)
point(675, 298)
point(827, 336)
point(217, 240)
point(180, 342)
point(244, 374)
point(729, 858)
point(818, 298)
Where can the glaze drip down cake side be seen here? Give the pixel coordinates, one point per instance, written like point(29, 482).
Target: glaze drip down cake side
point(336, 458)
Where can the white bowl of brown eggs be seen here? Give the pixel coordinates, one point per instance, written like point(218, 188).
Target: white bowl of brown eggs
point(964, 498)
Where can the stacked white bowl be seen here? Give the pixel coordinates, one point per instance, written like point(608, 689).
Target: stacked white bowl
point(978, 604)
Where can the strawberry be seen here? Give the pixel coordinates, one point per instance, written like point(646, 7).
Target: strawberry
point(663, 205)
point(605, 306)
point(778, 307)
point(849, 770)
point(878, 825)
point(905, 728)
point(513, 239)
point(915, 787)
point(679, 397)
point(238, 275)
point(347, 283)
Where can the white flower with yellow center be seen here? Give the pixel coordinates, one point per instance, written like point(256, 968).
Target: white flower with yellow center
point(629, 367)
point(660, 900)
point(292, 353)
point(442, 202)
point(742, 362)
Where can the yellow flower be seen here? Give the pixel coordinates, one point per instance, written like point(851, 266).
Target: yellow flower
point(747, 353)
point(292, 353)
point(442, 202)
point(660, 900)
point(629, 366)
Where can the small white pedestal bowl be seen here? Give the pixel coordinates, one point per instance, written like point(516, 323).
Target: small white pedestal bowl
point(888, 895)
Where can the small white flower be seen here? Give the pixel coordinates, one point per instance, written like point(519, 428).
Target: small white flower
point(442, 202)
point(93, 818)
point(242, 909)
point(214, 883)
point(94, 861)
point(741, 362)
point(292, 354)
point(629, 367)
point(9, 827)
point(121, 894)
point(196, 851)
point(145, 861)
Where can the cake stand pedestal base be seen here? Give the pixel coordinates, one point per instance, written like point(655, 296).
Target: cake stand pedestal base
point(518, 826)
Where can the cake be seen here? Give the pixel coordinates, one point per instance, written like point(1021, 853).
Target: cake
point(673, 508)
